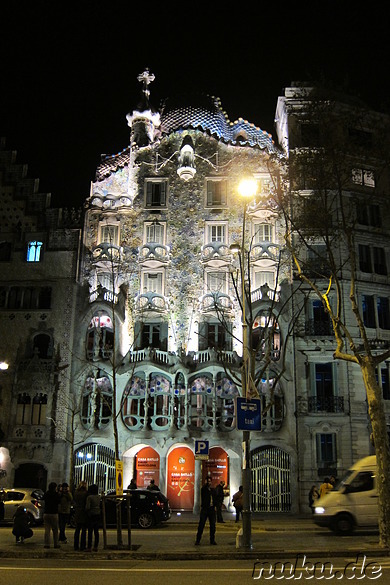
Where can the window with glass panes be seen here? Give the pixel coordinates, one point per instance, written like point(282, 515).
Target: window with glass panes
point(263, 233)
point(153, 282)
point(216, 281)
point(216, 233)
point(109, 234)
point(154, 233)
point(216, 193)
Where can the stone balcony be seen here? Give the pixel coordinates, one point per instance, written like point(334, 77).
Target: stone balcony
point(216, 254)
point(153, 255)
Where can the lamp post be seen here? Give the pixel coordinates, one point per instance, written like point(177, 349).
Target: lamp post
point(247, 189)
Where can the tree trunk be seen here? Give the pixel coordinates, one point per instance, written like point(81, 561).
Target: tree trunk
point(379, 431)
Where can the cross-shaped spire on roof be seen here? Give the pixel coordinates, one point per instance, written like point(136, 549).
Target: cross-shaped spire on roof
point(146, 79)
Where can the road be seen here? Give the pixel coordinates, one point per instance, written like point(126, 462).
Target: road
point(38, 571)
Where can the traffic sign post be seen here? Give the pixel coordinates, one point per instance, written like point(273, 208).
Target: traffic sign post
point(248, 414)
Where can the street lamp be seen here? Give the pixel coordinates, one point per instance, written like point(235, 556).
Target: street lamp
point(247, 189)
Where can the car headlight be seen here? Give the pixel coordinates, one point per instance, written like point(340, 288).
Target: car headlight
point(319, 510)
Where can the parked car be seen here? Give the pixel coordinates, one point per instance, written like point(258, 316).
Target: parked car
point(29, 498)
point(147, 508)
point(353, 502)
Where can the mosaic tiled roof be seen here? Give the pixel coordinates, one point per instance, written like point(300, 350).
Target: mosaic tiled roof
point(205, 113)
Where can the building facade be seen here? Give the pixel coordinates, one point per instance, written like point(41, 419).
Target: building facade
point(155, 350)
point(39, 252)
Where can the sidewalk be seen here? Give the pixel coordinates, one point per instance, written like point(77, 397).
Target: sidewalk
point(273, 536)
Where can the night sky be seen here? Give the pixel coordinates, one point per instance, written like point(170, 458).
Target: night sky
point(69, 70)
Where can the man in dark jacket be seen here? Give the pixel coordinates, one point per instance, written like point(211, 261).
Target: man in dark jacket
point(50, 516)
point(207, 511)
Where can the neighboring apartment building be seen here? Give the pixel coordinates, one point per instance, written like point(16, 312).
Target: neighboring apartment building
point(352, 181)
point(156, 335)
point(39, 249)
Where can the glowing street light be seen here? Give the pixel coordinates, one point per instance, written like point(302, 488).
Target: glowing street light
point(3, 366)
point(247, 189)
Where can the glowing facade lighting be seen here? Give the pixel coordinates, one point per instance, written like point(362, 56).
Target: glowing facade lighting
point(247, 187)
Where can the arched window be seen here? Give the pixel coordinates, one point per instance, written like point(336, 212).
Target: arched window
point(159, 402)
point(34, 251)
point(226, 392)
point(201, 402)
point(133, 403)
point(96, 409)
point(266, 336)
point(43, 346)
point(100, 337)
point(179, 401)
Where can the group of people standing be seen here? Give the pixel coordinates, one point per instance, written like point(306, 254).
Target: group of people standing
point(58, 502)
point(87, 517)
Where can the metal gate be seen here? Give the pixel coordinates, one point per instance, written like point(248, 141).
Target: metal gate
point(270, 480)
point(95, 463)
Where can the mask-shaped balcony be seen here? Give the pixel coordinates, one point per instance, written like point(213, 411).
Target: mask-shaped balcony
point(106, 252)
point(216, 254)
point(151, 301)
point(153, 254)
point(215, 301)
point(265, 251)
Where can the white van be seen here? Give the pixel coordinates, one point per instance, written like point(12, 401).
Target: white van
point(353, 502)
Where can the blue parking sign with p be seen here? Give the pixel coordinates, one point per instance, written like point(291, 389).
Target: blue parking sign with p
point(201, 449)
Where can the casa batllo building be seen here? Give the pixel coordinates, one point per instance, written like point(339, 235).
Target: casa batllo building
point(155, 357)
point(160, 305)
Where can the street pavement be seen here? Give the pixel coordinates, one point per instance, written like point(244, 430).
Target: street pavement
point(273, 536)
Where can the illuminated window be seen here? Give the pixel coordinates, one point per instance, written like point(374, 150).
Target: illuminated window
point(34, 251)
point(109, 234)
point(153, 282)
point(154, 233)
point(216, 232)
point(216, 282)
point(262, 232)
point(363, 177)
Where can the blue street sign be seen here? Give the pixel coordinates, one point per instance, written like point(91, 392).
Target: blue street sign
point(248, 414)
point(201, 449)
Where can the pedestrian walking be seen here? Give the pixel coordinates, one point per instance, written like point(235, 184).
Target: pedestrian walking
point(220, 495)
point(92, 507)
point(80, 516)
point(132, 485)
point(21, 527)
point(152, 486)
point(238, 502)
point(314, 495)
point(50, 516)
point(207, 511)
point(64, 511)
